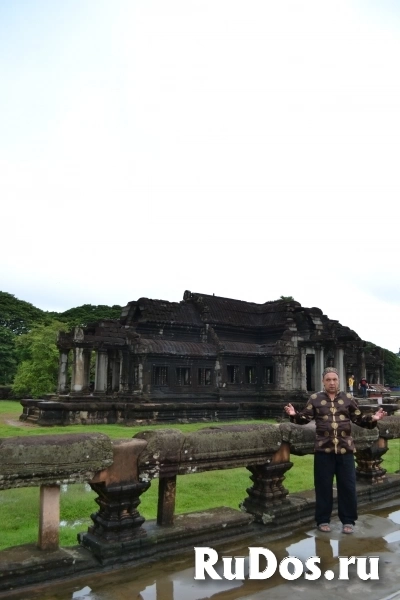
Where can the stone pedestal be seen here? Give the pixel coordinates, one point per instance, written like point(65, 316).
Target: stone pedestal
point(118, 519)
point(369, 461)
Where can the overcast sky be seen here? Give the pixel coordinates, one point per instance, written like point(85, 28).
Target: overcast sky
point(246, 148)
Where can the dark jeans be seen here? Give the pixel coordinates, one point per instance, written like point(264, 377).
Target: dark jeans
point(325, 467)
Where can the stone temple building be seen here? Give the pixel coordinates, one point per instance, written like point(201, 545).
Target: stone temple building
point(203, 357)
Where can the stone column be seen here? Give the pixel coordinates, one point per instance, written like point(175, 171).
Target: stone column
point(116, 370)
point(63, 372)
point(100, 385)
point(361, 365)
point(319, 368)
point(79, 370)
point(339, 364)
point(86, 370)
point(303, 369)
point(123, 371)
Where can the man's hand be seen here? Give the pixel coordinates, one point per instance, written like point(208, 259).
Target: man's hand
point(289, 410)
point(379, 415)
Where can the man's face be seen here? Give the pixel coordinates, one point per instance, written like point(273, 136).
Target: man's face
point(331, 383)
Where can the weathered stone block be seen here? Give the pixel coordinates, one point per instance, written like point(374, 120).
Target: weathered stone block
point(53, 459)
point(300, 437)
point(389, 428)
point(162, 455)
point(229, 446)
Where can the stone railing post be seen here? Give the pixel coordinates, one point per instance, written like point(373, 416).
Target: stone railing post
point(368, 460)
point(49, 517)
point(166, 500)
point(117, 526)
point(118, 519)
point(268, 489)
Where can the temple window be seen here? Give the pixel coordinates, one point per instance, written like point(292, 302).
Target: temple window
point(160, 375)
point(268, 374)
point(250, 374)
point(183, 376)
point(204, 376)
point(233, 373)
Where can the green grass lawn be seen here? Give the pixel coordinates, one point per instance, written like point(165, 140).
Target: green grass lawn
point(19, 508)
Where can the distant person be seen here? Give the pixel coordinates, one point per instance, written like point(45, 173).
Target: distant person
point(350, 382)
point(363, 387)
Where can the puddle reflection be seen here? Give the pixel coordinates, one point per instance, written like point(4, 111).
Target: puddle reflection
point(173, 578)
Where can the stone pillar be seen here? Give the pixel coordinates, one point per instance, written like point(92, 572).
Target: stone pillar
point(303, 369)
point(100, 385)
point(49, 517)
point(339, 364)
point(140, 376)
point(116, 370)
point(63, 372)
point(86, 369)
point(78, 370)
point(124, 372)
point(166, 500)
point(361, 365)
point(319, 368)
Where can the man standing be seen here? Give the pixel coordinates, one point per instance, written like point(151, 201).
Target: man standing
point(333, 412)
point(363, 386)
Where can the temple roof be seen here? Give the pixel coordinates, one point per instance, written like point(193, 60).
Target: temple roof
point(160, 311)
point(273, 317)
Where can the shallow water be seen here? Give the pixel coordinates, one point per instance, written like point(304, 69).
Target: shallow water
point(377, 534)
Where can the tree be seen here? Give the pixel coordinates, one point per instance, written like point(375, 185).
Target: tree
point(8, 356)
point(81, 316)
point(287, 298)
point(19, 316)
point(391, 368)
point(37, 351)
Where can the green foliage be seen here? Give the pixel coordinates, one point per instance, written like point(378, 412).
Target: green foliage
point(8, 356)
point(391, 368)
point(286, 298)
point(38, 367)
point(81, 316)
point(19, 316)
point(27, 341)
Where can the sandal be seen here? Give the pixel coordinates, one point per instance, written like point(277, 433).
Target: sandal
point(324, 527)
point(348, 528)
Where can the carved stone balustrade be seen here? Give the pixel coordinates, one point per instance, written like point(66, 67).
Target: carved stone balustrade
point(170, 453)
point(48, 461)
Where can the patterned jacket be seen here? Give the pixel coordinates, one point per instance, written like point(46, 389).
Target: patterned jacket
point(333, 421)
